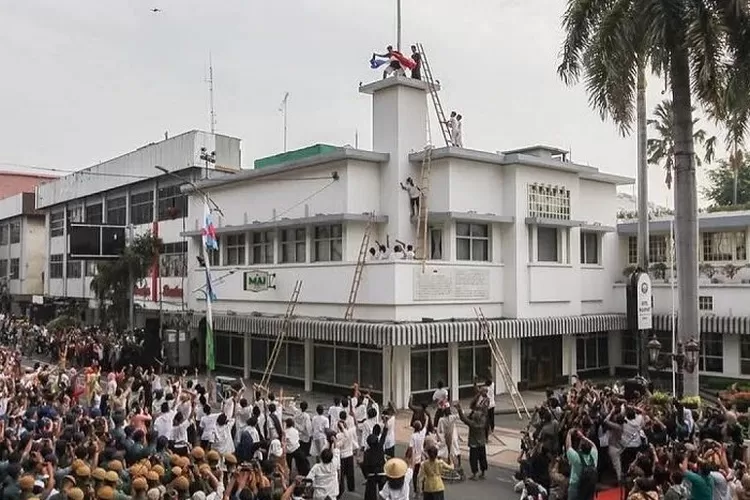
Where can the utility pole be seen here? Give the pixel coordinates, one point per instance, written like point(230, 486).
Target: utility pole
point(131, 284)
point(398, 25)
point(283, 110)
point(643, 233)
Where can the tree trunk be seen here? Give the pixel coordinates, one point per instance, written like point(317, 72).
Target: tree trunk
point(686, 207)
point(643, 238)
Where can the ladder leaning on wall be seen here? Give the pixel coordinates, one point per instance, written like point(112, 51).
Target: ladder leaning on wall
point(271, 365)
point(428, 77)
point(361, 261)
point(499, 358)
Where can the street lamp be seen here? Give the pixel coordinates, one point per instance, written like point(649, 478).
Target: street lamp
point(684, 359)
point(208, 158)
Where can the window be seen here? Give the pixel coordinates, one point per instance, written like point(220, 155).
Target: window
point(261, 251)
point(436, 243)
point(142, 207)
point(590, 248)
point(340, 363)
point(592, 351)
point(3, 268)
point(234, 246)
point(474, 360)
point(75, 213)
point(629, 349)
point(293, 245)
point(744, 353)
point(74, 269)
point(117, 211)
point(92, 267)
point(712, 353)
point(15, 232)
point(327, 243)
point(15, 269)
point(214, 257)
point(549, 202)
point(720, 247)
point(4, 229)
point(173, 260)
point(57, 223)
point(472, 242)
point(291, 360)
point(94, 213)
point(547, 244)
point(172, 203)
point(657, 248)
point(429, 365)
point(56, 266)
point(706, 303)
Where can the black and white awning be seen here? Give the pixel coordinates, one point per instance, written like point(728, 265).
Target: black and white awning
point(730, 325)
point(401, 334)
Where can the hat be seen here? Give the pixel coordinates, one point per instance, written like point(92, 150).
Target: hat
point(159, 469)
point(230, 459)
point(181, 483)
point(82, 471)
point(275, 449)
point(395, 468)
point(153, 494)
point(77, 463)
point(71, 479)
point(115, 465)
point(213, 456)
point(198, 453)
point(26, 483)
point(199, 495)
point(174, 459)
point(111, 477)
point(105, 493)
point(152, 475)
point(204, 468)
point(176, 471)
point(75, 494)
point(98, 474)
point(183, 462)
point(139, 484)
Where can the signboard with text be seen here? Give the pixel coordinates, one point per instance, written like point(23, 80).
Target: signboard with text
point(257, 281)
point(644, 302)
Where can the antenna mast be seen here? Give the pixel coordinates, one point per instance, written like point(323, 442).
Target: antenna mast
point(282, 109)
point(398, 25)
point(212, 115)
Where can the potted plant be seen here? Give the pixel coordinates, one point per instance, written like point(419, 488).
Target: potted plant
point(708, 270)
point(658, 270)
point(661, 399)
point(628, 271)
point(730, 270)
point(691, 402)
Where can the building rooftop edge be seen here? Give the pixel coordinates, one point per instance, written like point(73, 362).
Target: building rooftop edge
point(395, 81)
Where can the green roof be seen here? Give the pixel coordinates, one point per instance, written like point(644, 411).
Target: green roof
point(297, 154)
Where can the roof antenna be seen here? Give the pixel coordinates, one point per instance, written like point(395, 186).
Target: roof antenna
point(212, 115)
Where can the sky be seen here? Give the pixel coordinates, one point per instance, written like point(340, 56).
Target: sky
point(87, 80)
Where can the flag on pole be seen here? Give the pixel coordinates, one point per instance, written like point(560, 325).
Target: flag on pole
point(377, 62)
point(209, 243)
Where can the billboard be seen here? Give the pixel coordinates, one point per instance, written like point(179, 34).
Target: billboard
point(95, 241)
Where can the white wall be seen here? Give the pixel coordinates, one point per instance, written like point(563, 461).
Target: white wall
point(34, 238)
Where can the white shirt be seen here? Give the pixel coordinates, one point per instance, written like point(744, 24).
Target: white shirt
point(208, 424)
point(223, 442)
point(163, 424)
point(346, 441)
point(390, 437)
point(416, 443)
point(179, 432)
point(303, 423)
point(403, 494)
point(491, 394)
point(319, 425)
point(333, 414)
point(325, 478)
point(291, 440)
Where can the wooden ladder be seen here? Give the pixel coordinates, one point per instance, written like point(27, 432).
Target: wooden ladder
point(271, 365)
point(423, 241)
point(497, 355)
point(428, 77)
point(361, 260)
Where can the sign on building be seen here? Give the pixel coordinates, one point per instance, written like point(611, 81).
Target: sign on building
point(644, 302)
point(258, 281)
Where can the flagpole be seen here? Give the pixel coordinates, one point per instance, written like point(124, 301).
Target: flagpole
point(674, 323)
point(398, 25)
point(210, 355)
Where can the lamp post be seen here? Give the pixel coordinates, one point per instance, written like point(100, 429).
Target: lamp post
point(208, 158)
point(684, 359)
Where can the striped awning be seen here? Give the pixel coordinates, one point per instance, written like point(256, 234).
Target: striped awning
point(731, 325)
point(400, 334)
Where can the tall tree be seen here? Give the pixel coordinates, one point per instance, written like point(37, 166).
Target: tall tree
point(661, 149)
point(113, 280)
point(729, 183)
point(700, 46)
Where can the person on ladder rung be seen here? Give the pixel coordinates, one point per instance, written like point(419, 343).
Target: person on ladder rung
point(414, 194)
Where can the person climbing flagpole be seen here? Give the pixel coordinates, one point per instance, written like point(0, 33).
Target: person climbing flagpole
point(209, 242)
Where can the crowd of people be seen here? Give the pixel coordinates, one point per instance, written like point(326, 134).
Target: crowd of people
point(649, 448)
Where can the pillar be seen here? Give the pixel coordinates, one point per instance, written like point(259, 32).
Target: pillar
point(247, 348)
point(511, 349)
point(388, 394)
point(309, 361)
point(615, 351)
point(569, 355)
point(453, 370)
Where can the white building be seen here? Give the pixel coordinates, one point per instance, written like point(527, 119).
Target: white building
point(130, 191)
point(526, 235)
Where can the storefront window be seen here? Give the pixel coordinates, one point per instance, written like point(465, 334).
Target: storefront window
point(429, 365)
point(712, 353)
point(342, 364)
point(324, 364)
point(258, 353)
point(238, 351)
point(289, 363)
point(592, 351)
point(474, 360)
point(222, 349)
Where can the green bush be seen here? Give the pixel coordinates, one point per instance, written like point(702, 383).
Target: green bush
point(63, 323)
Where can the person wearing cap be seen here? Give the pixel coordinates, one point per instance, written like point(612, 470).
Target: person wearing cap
point(105, 493)
point(68, 484)
point(139, 488)
point(398, 480)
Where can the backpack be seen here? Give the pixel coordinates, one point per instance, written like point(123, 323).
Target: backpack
point(587, 479)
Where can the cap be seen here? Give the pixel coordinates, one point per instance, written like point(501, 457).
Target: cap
point(198, 453)
point(181, 483)
point(139, 484)
point(176, 471)
point(26, 483)
point(111, 477)
point(82, 471)
point(115, 465)
point(152, 475)
point(70, 479)
point(75, 494)
point(230, 459)
point(395, 468)
point(213, 456)
point(159, 469)
point(153, 494)
point(105, 493)
point(98, 474)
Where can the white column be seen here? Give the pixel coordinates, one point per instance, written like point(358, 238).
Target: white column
point(731, 354)
point(511, 349)
point(309, 360)
point(453, 370)
point(615, 351)
point(388, 393)
point(247, 347)
point(568, 355)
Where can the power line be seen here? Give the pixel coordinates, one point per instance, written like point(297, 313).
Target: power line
point(69, 172)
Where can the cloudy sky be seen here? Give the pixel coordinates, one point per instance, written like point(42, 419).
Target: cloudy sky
point(86, 80)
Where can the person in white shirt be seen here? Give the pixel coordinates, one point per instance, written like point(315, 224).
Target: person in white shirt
point(459, 138)
point(303, 423)
point(490, 403)
point(242, 415)
point(180, 426)
point(294, 450)
point(398, 480)
point(367, 427)
point(319, 425)
point(208, 426)
point(223, 441)
point(453, 126)
point(163, 423)
point(389, 427)
point(440, 397)
point(414, 194)
point(274, 429)
point(447, 433)
point(325, 475)
point(334, 411)
point(416, 448)
point(346, 442)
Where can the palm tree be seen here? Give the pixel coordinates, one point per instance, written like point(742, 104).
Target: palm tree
point(662, 149)
point(701, 47)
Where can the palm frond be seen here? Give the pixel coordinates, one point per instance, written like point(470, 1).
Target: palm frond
point(705, 35)
point(579, 21)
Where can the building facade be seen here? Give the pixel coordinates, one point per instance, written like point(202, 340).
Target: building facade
point(526, 235)
point(130, 191)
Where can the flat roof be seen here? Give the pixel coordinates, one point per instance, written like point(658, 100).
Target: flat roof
point(297, 154)
point(340, 153)
point(706, 221)
point(551, 149)
point(299, 221)
point(395, 81)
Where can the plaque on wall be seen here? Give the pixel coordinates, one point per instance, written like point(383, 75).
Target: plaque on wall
point(451, 284)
